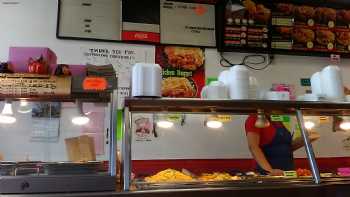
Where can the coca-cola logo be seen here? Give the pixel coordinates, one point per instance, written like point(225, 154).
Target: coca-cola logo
point(141, 36)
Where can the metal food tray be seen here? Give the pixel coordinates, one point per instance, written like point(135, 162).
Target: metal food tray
point(7, 168)
point(245, 181)
point(71, 168)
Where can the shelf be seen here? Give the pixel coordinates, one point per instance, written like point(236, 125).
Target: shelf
point(84, 97)
point(235, 106)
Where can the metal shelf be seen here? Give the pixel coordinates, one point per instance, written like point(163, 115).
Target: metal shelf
point(84, 97)
point(236, 106)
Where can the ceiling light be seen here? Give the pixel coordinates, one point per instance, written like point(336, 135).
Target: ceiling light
point(309, 124)
point(166, 124)
point(79, 118)
point(214, 124)
point(24, 107)
point(6, 114)
point(7, 110)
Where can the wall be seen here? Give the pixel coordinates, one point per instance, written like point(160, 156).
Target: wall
point(33, 23)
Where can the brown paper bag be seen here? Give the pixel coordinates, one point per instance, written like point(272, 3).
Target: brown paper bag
point(80, 149)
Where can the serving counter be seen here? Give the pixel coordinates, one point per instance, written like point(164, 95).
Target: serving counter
point(243, 183)
point(339, 189)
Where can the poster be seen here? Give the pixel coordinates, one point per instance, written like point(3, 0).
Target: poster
point(45, 129)
point(143, 127)
point(122, 58)
point(183, 71)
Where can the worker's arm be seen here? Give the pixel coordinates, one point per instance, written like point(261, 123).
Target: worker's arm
point(299, 142)
point(253, 143)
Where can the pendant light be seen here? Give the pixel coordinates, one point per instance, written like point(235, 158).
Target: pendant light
point(24, 107)
point(261, 121)
point(163, 121)
point(79, 117)
point(6, 116)
point(213, 122)
point(310, 122)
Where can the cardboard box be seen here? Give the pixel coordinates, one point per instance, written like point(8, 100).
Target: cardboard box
point(19, 57)
point(80, 148)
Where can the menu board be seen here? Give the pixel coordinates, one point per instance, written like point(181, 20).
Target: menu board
point(246, 25)
point(306, 27)
point(183, 71)
point(286, 26)
point(141, 20)
point(26, 87)
point(187, 23)
point(90, 19)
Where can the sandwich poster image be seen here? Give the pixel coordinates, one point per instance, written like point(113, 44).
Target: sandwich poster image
point(183, 71)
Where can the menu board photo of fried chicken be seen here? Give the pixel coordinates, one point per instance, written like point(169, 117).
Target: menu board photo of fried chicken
point(182, 70)
point(247, 24)
point(310, 27)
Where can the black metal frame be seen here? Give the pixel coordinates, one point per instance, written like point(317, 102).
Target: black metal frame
point(118, 41)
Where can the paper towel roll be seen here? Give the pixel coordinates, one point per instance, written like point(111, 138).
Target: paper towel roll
point(332, 83)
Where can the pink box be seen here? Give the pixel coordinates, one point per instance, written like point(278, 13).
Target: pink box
point(19, 57)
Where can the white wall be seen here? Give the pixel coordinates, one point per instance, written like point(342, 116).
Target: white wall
point(33, 23)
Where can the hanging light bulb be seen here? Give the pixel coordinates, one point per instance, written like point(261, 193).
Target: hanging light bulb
point(24, 107)
point(163, 121)
point(310, 122)
point(80, 118)
point(6, 116)
point(261, 121)
point(214, 124)
point(345, 124)
point(165, 124)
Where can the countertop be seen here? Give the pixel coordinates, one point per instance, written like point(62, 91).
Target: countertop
point(338, 189)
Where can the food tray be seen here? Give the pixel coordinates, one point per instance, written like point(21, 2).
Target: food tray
point(71, 168)
point(245, 181)
point(7, 168)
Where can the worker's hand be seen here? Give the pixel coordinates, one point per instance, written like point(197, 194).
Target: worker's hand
point(276, 172)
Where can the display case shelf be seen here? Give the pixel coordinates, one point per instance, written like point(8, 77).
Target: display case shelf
point(236, 106)
point(96, 97)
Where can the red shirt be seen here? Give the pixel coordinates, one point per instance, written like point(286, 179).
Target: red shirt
point(266, 134)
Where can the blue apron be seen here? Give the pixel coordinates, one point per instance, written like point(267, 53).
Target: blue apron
point(279, 152)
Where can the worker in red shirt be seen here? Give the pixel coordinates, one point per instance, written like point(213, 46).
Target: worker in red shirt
point(272, 147)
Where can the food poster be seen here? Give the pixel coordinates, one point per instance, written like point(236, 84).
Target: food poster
point(183, 71)
point(187, 23)
point(141, 20)
point(247, 24)
point(309, 27)
point(143, 128)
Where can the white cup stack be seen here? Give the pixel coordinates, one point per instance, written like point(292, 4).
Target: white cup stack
point(328, 83)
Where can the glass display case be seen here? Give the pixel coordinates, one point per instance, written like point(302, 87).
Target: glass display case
point(58, 143)
point(166, 143)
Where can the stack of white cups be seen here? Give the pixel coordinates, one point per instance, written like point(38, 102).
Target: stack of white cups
point(328, 84)
point(232, 84)
point(237, 81)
